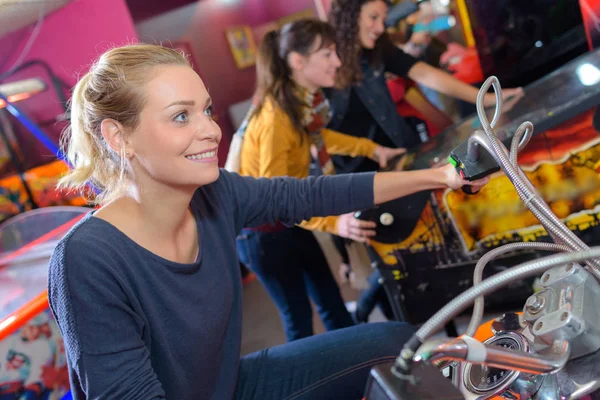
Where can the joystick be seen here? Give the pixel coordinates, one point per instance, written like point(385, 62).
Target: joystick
point(472, 163)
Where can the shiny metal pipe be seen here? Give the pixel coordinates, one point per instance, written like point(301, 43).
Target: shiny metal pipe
point(498, 357)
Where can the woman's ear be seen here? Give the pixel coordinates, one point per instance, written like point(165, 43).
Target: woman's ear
point(113, 133)
point(296, 61)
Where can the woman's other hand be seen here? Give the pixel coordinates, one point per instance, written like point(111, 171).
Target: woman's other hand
point(384, 154)
point(353, 228)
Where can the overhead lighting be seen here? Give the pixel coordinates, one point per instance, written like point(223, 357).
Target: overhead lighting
point(21, 90)
point(588, 74)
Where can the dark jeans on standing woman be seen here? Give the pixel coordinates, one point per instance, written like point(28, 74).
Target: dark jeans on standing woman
point(291, 266)
point(334, 365)
point(373, 295)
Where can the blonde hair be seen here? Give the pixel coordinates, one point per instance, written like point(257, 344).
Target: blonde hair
point(112, 89)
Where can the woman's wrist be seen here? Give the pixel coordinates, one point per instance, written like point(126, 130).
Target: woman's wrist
point(441, 176)
point(375, 152)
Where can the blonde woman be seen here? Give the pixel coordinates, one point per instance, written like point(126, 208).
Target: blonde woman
point(147, 290)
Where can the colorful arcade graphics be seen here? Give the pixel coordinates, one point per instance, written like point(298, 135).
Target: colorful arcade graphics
point(564, 165)
point(28, 189)
point(32, 361)
point(42, 182)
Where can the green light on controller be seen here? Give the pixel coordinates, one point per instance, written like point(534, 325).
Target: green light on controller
point(452, 161)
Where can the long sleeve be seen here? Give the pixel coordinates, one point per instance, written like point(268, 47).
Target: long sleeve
point(397, 61)
point(260, 201)
point(101, 330)
point(346, 145)
point(323, 224)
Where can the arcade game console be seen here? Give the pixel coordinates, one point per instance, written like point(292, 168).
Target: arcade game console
point(427, 244)
point(549, 351)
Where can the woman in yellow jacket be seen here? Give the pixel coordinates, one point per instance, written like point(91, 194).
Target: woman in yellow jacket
point(286, 125)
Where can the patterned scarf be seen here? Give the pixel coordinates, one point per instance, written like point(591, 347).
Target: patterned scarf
point(316, 114)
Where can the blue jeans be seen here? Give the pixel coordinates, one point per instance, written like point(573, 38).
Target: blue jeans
point(291, 266)
point(333, 365)
point(372, 296)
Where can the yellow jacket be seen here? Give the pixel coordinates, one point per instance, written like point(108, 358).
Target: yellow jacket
point(274, 147)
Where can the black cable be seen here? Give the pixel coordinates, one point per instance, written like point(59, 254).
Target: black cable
point(18, 166)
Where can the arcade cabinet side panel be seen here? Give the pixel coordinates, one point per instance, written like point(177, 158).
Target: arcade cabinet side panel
point(590, 10)
point(32, 361)
point(32, 358)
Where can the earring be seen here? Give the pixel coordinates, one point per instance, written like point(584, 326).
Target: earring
point(126, 153)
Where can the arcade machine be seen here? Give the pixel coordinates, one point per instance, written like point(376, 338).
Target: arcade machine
point(545, 199)
point(32, 361)
point(29, 167)
point(427, 244)
point(520, 41)
point(550, 350)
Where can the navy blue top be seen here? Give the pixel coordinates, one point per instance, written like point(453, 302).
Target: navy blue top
point(138, 326)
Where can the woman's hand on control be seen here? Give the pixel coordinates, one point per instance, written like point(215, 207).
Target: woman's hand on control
point(384, 154)
point(454, 181)
point(353, 228)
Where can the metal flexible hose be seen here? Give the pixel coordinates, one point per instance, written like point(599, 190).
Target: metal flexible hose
point(519, 141)
point(521, 271)
point(531, 198)
point(483, 261)
point(560, 236)
point(565, 238)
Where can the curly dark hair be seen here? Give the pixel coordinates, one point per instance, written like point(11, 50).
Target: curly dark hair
point(344, 15)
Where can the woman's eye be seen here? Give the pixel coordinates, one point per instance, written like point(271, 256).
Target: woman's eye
point(209, 111)
point(181, 118)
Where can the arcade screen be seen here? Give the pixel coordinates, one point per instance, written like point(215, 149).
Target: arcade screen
point(521, 41)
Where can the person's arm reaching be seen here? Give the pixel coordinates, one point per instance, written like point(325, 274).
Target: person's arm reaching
point(346, 145)
point(386, 188)
point(401, 64)
point(389, 186)
point(260, 201)
point(445, 83)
